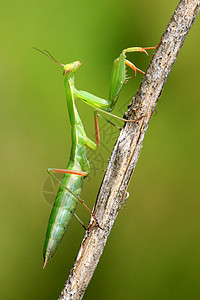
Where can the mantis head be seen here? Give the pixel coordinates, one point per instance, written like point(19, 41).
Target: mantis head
point(69, 69)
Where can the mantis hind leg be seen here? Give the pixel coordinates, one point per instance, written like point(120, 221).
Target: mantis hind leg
point(66, 171)
point(74, 172)
point(119, 118)
point(96, 146)
point(79, 220)
point(110, 122)
point(124, 200)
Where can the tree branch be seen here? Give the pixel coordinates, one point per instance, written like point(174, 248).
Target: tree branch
point(127, 149)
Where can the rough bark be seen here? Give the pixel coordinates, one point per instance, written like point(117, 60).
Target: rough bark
point(127, 149)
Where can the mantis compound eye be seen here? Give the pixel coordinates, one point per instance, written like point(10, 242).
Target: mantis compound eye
point(67, 70)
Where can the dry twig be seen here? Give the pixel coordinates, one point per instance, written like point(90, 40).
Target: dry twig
point(127, 149)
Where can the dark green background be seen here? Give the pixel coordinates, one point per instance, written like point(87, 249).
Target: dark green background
point(153, 250)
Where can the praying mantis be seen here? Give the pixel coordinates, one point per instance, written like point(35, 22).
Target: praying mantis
point(78, 167)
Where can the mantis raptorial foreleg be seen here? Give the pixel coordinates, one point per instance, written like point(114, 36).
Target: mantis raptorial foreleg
point(118, 79)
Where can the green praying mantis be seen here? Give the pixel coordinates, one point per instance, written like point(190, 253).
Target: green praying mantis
point(78, 167)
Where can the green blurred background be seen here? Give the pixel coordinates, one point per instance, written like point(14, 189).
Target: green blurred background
point(153, 250)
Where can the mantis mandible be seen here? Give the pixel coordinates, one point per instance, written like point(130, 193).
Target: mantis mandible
point(78, 167)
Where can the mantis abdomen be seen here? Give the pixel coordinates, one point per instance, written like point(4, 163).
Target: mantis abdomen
point(62, 213)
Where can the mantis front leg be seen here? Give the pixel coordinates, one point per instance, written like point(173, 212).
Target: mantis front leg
point(118, 79)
